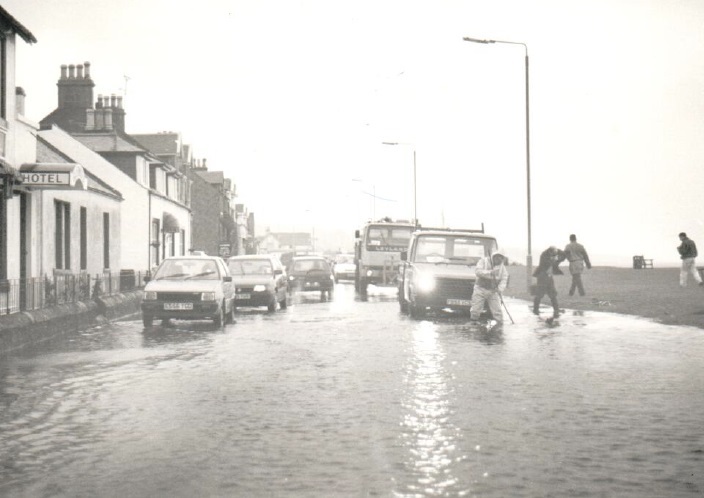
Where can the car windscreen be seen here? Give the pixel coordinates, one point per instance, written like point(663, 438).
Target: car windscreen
point(306, 265)
point(250, 267)
point(389, 237)
point(187, 269)
point(452, 249)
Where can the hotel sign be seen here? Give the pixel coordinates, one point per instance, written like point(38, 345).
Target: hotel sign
point(46, 178)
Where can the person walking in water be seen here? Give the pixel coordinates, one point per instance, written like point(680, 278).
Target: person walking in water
point(492, 279)
point(688, 253)
point(578, 259)
point(549, 259)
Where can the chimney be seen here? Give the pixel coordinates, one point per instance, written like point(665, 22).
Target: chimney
point(90, 119)
point(19, 100)
point(75, 92)
point(108, 119)
point(79, 71)
point(118, 113)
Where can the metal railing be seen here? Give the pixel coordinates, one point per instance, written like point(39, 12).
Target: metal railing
point(63, 287)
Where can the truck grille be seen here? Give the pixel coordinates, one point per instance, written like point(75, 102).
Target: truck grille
point(455, 288)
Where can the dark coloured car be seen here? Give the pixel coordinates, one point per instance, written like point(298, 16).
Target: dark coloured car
point(311, 273)
point(259, 281)
point(189, 288)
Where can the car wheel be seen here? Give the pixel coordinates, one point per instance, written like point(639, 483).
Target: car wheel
point(363, 288)
point(147, 320)
point(231, 314)
point(322, 296)
point(272, 306)
point(219, 319)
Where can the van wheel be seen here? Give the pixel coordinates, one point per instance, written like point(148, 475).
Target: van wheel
point(147, 321)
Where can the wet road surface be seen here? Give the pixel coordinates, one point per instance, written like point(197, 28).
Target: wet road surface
point(351, 398)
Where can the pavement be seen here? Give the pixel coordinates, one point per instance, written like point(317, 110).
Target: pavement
point(18, 330)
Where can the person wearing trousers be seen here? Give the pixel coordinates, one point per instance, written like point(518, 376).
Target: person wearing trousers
point(688, 253)
point(578, 259)
point(492, 279)
point(550, 258)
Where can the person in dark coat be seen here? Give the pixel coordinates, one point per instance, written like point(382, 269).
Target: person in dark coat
point(548, 266)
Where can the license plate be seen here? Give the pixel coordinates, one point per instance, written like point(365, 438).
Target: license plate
point(178, 306)
point(243, 296)
point(459, 302)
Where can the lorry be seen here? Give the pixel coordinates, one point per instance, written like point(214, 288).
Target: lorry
point(377, 254)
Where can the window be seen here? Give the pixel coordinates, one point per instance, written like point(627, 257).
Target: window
point(106, 240)
point(3, 235)
point(63, 235)
point(154, 245)
point(84, 239)
point(3, 78)
point(152, 177)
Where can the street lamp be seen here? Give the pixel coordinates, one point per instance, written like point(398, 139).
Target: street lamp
point(415, 199)
point(529, 256)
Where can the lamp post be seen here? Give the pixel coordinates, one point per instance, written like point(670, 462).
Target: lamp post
point(415, 198)
point(529, 256)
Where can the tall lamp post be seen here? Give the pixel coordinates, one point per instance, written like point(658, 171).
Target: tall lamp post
point(529, 256)
point(415, 197)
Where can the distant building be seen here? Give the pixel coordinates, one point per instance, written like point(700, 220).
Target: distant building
point(286, 241)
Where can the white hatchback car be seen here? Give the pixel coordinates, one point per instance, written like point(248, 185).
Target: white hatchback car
point(189, 288)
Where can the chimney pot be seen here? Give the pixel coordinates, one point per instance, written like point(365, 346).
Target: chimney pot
point(71, 71)
point(86, 65)
point(119, 102)
point(79, 69)
point(99, 102)
point(64, 67)
point(113, 100)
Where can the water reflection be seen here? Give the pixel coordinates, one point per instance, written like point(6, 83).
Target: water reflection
point(428, 432)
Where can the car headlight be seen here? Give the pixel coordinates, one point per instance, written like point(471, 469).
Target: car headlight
point(370, 273)
point(425, 283)
point(207, 296)
point(149, 295)
point(259, 288)
point(292, 277)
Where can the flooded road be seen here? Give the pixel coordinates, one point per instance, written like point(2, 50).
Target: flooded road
point(351, 398)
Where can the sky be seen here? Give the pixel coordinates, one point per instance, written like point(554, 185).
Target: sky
point(294, 99)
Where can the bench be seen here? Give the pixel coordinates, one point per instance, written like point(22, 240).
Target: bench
point(640, 263)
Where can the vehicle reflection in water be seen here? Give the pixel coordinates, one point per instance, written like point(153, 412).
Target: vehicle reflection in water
point(427, 428)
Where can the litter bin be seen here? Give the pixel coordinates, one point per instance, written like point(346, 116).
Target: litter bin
point(127, 280)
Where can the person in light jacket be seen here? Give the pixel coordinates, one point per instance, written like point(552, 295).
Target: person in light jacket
point(578, 258)
point(492, 279)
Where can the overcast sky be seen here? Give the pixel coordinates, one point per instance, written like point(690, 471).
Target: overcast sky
point(293, 99)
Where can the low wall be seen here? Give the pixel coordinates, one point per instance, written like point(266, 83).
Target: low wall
point(29, 327)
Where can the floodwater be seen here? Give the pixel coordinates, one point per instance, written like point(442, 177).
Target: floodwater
point(351, 398)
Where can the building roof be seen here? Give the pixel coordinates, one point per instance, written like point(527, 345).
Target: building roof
point(46, 150)
point(71, 119)
point(17, 26)
point(159, 143)
point(214, 177)
point(109, 141)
